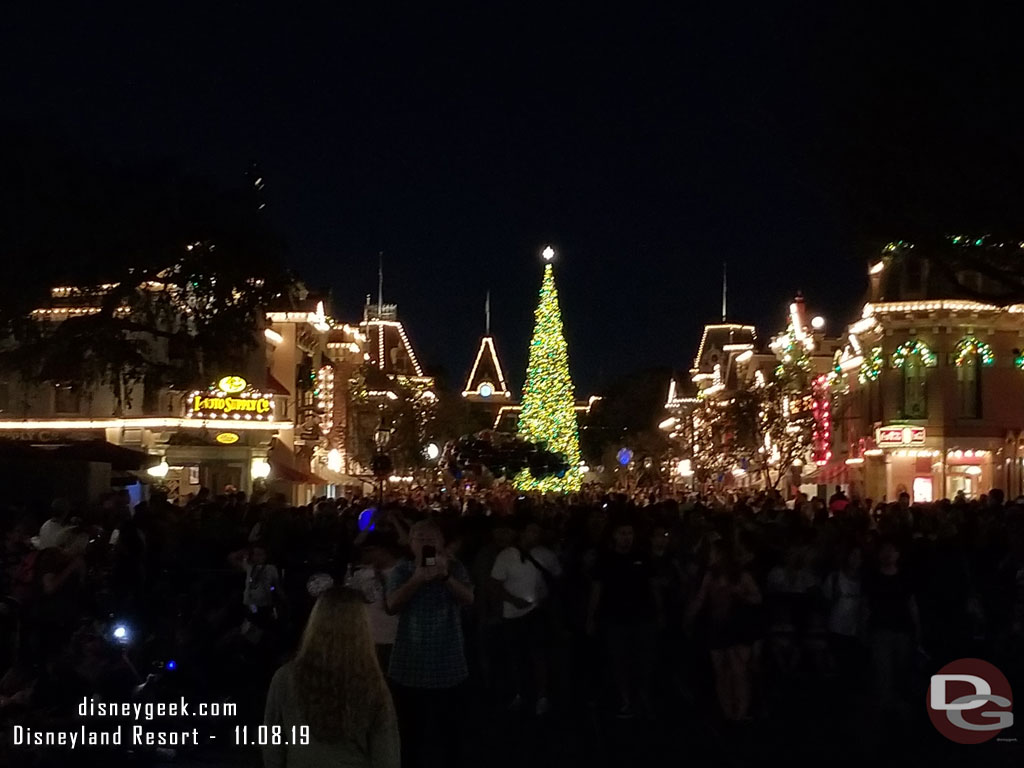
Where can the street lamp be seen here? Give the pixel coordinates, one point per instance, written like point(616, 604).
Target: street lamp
point(382, 437)
point(381, 463)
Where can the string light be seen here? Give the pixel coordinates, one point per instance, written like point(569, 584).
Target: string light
point(487, 343)
point(325, 398)
point(821, 435)
point(141, 423)
point(872, 367)
point(972, 346)
point(548, 413)
point(913, 347)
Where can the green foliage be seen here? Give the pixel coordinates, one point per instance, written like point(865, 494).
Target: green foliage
point(548, 416)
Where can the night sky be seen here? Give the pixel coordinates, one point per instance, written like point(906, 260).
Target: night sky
point(648, 148)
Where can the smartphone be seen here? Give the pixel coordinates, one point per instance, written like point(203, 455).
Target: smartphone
point(429, 555)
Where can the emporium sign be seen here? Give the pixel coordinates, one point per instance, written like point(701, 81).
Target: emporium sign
point(899, 435)
point(230, 398)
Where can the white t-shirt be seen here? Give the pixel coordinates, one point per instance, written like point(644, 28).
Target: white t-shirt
point(383, 627)
point(549, 560)
point(522, 578)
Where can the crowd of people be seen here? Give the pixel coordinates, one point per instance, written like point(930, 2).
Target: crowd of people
point(402, 634)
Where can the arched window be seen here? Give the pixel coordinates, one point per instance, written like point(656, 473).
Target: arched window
point(971, 356)
point(913, 358)
point(869, 372)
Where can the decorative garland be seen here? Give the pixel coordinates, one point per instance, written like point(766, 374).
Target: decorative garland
point(872, 367)
point(913, 347)
point(971, 346)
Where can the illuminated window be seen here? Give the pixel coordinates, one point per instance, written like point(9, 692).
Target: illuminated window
point(922, 489)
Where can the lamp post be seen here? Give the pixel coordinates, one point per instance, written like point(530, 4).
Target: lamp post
point(381, 463)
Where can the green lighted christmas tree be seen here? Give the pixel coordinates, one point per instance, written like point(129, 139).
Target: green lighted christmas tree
point(548, 415)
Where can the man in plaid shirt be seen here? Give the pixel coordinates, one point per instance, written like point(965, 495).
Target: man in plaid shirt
point(428, 662)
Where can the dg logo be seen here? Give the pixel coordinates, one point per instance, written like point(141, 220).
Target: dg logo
point(969, 701)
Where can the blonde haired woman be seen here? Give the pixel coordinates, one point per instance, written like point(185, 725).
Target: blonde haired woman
point(335, 687)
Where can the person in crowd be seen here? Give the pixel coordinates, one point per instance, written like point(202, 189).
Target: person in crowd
point(625, 605)
point(729, 592)
point(428, 662)
point(673, 583)
point(55, 603)
point(378, 560)
point(332, 693)
point(51, 533)
point(790, 589)
point(844, 595)
point(260, 594)
point(894, 628)
point(520, 580)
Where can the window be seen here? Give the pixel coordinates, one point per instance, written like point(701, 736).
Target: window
point(968, 387)
point(971, 355)
point(915, 392)
point(914, 357)
point(67, 399)
point(922, 490)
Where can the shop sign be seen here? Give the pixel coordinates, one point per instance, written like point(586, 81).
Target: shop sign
point(227, 438)
point(55, 436)
point(233, 384)
point(899, 435)
point(230, 398)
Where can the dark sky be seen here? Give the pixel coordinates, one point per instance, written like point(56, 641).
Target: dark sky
point(647, 147)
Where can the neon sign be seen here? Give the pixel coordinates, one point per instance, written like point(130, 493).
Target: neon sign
point(230, 398)
point(232, 384)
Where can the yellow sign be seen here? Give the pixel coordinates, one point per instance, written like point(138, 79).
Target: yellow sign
point(232, 384)
point(204, 404)
point(227, 438)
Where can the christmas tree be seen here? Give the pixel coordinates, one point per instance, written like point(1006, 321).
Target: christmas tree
point(548, 415)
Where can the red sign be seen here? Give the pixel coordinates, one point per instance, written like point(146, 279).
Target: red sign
point(899, 435)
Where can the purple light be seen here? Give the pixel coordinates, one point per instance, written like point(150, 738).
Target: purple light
point(366, 522)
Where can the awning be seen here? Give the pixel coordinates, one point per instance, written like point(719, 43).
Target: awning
point(338, 478)
point(828, 474)
point(281, 469)
point(118, 457)
point(292, 475)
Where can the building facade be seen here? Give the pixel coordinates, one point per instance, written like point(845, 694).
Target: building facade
point(296, 412)
point(929, 397)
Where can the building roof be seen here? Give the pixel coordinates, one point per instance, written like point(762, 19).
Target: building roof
point(981, 268)
point(718, 341)
point(487, 371)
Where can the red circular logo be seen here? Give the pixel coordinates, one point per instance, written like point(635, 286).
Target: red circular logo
point(969, 701)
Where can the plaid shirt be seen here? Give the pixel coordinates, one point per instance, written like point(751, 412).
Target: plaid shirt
point(428, 650)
